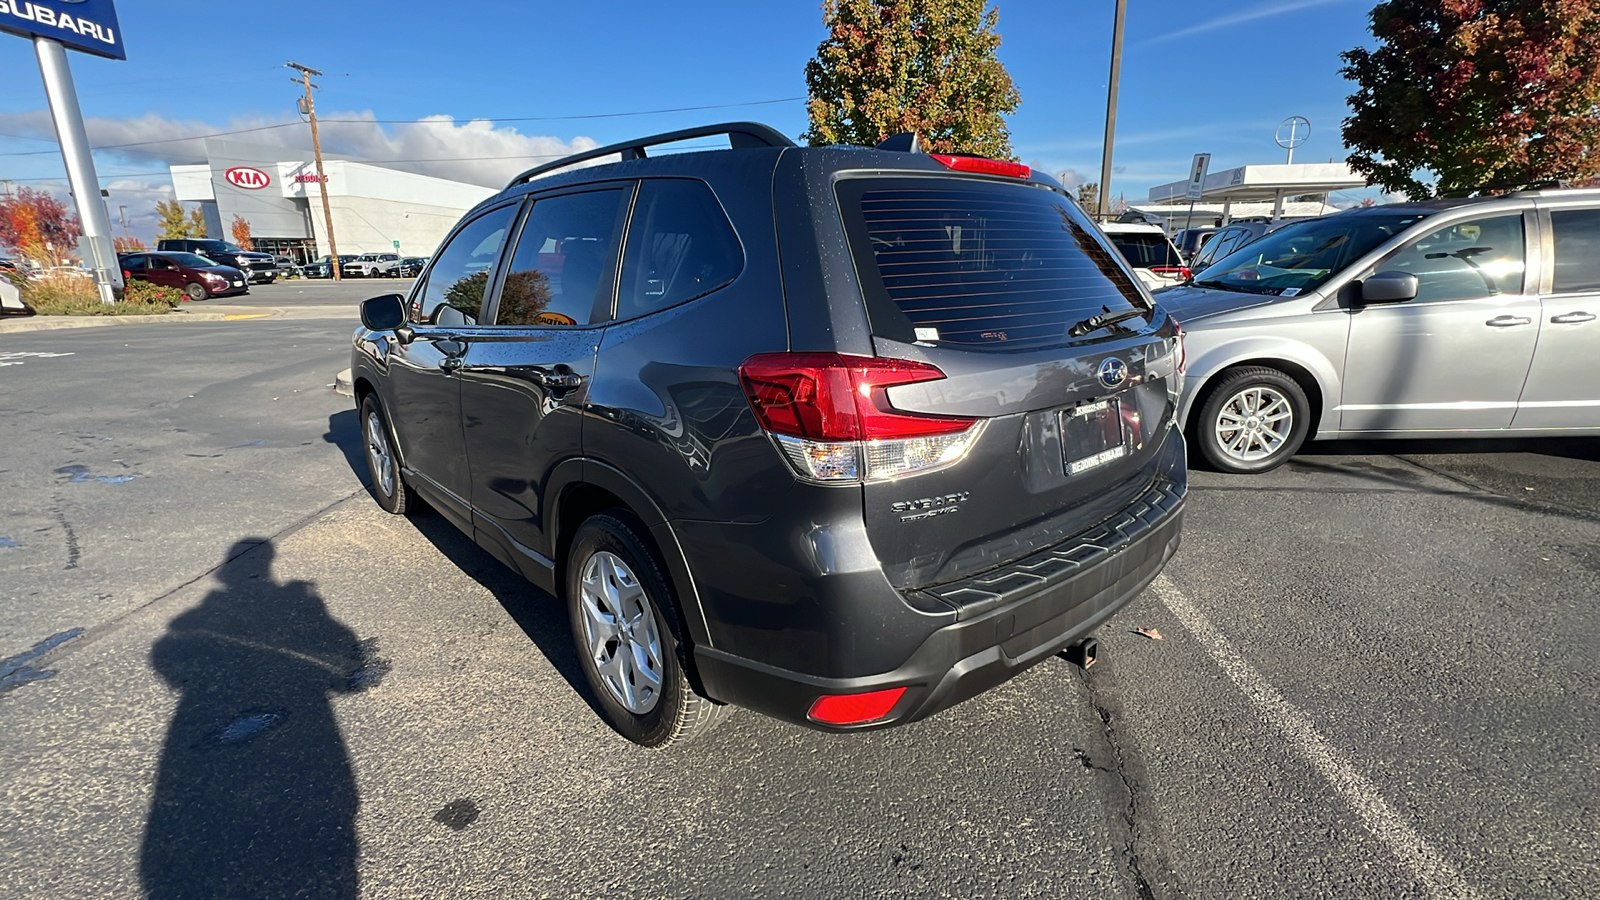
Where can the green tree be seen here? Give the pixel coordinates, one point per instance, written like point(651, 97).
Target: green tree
point(923, 66)
point(171, 222)
point(1476, 92)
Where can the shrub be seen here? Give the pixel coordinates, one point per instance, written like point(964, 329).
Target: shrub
point(70, 295)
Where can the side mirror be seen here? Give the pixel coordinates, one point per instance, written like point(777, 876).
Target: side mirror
point(385, 313)
point(1389, 287)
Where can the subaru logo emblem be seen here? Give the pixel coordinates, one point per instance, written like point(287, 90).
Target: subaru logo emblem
point(1113, 372)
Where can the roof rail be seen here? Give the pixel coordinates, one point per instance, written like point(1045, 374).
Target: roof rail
point(741, 135)
point(1507, 187)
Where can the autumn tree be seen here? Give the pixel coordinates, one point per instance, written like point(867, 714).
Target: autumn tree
point(38, 226)
point(127, 244)
point(1476, 92)
point(1089, 195)
point(924, 66)
point(197, 223)
point(241, 232)
point(172, 223)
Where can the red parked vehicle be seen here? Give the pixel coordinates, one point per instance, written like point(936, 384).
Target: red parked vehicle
point(195, 275)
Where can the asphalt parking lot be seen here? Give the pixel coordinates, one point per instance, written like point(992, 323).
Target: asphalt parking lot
point(1375, 678)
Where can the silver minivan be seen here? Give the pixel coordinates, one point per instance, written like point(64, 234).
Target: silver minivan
point(1454, 317)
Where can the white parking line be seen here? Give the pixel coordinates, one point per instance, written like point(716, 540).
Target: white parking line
point(1427, 864)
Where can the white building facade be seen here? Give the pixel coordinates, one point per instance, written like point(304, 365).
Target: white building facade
point(375, 209)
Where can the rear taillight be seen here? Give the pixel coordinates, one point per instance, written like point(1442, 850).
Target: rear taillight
point(983, 166)
point(1172, 271)
point(853, 709)
point(831, 416)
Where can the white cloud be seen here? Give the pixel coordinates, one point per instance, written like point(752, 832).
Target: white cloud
point(478, 152)
point(1266, 10)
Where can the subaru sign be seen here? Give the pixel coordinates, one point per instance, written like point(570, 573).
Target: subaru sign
point(87, 25)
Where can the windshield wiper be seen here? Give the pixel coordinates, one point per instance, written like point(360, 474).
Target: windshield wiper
point(1104, 320)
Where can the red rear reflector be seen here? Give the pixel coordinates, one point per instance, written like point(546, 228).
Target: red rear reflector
point(983, 166)
point(1180, 271)
point(832, 397)
point(853, 709)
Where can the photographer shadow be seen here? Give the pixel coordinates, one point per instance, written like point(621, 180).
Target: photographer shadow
point(255, 796)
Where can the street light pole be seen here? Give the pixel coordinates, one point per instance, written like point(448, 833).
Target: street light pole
point(322, 180)
point(1111, 109)
point(92, 215)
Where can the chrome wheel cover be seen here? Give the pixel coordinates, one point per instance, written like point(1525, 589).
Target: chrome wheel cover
point(1254, 424)
point(619, 631)
point(378, 453)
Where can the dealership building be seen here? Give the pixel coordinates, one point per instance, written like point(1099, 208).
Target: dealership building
point(375, 209)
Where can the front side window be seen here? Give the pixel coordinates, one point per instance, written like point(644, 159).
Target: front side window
point(453, 292)
point(1475, 258)
point(1577, 239)
point(558, 274)
point(680, 247)
point(1303, 256)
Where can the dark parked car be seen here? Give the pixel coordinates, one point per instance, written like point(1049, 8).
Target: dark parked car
point(258, 267)
point(411, 266)
point(1225, 241)
point(323, 268)
point(197, 276)
point(842, 435)
point(1189, 240)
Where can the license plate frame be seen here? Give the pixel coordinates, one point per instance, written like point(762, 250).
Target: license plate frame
point(1092, 435)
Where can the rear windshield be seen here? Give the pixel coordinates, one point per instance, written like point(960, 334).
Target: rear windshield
point(978, 263)
point(1146, 251)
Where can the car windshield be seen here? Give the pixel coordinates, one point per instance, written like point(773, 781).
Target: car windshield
point(217, 247)
point(193, 260)
point(1303, 256)
point(1146, 250)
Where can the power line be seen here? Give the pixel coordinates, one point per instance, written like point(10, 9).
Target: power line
point(432, 120)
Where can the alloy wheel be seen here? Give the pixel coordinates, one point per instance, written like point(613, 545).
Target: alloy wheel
point(1254, 423)
point(378, 453)
point(620, 633)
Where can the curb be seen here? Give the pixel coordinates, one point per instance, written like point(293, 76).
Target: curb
point(344, 384)
point(53, 323)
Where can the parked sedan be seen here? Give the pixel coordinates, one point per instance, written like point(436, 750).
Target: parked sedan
point(1473, 317)
point(195, 275)
point(323, 268)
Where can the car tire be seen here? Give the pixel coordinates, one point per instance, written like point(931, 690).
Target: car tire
point(1254, 419)
point(377, 438)
point(195, 291)
point(621, 608)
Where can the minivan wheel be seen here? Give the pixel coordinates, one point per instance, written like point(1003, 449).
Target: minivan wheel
point(619, 601)
point(1253, 421)
point(195, 290)
point(388, 488)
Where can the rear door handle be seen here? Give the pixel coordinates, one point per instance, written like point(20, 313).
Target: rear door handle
point(1572, 318)
point(1508, 321)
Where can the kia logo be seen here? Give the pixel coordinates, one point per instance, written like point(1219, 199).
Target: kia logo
point(247, 178)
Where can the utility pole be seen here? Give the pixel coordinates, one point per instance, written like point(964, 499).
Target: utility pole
point(1111, 109)
point(122, 212)
point(322, 179)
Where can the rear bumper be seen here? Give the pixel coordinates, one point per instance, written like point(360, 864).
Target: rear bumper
point(1010, 619)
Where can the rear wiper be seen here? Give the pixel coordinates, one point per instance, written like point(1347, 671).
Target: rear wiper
point(1104, 320)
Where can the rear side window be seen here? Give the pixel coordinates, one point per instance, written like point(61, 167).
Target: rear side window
point(560, 270)
point(1577, 237)
point(680, 247)
point(1146, 250)
point(453, 292)
point(978, 263)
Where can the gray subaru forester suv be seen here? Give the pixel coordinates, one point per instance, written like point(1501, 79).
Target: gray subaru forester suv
point(842, 435)
point(1471, 317)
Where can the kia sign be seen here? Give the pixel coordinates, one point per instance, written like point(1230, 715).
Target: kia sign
point(87, 25)
point(248, 178)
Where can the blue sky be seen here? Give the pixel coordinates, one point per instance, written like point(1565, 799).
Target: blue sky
point(1196, 77)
